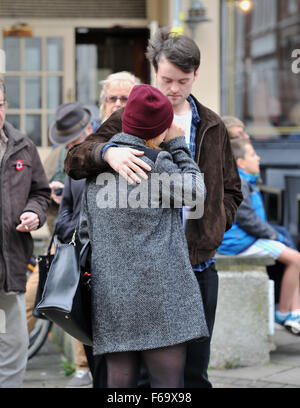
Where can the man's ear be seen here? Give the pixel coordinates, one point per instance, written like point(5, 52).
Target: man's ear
point(196, 73)
point(240, 163)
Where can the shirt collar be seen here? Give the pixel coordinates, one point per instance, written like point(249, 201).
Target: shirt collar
point(195, 114)
point(252, 178)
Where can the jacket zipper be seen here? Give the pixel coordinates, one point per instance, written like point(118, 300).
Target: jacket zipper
point(201, 141)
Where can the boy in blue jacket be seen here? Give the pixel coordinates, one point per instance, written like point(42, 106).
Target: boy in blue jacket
point(252, 235)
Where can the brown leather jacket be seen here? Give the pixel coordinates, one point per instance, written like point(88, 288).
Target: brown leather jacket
point(215, 160)
point(23, 187)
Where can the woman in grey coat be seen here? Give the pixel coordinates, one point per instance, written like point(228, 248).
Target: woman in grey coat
point(145, 297)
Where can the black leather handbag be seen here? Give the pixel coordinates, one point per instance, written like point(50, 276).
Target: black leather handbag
point(44, 262)
point(66, 296)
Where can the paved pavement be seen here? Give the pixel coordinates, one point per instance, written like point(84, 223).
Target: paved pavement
point(283, 370)
point(45, 370)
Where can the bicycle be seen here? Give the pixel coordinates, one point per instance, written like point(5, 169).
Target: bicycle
point(42, 327)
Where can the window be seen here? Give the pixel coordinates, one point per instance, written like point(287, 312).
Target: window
point(34, 82)
point(100, 52)
point(292, 6)
point(265, 85)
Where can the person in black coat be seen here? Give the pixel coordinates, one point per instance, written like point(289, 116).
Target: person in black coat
point(67, 222)
point(72, 125)
point(69, 210)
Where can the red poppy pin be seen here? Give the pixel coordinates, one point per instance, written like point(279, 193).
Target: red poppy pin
point(19, 165)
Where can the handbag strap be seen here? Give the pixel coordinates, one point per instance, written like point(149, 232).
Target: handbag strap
point(73, 240)
point(84, 253)
point(53, 239)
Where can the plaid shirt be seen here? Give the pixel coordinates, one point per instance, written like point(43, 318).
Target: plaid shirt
point(192, 146)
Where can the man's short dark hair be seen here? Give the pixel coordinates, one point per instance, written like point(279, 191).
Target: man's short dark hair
point(180, 50)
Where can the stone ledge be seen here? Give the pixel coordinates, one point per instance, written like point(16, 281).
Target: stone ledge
point(240, 263)
point(241, 334)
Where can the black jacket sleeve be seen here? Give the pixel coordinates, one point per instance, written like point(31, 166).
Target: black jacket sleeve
point(68, 216)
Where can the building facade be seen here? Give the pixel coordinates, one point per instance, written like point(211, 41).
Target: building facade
point(58, 52)
point(266, 81)
point(260, 83)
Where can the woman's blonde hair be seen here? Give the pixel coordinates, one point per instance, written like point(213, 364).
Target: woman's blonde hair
point(123, 79)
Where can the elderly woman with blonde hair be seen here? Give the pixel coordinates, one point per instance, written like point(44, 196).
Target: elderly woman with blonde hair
point(115, 92)
point(235, 127)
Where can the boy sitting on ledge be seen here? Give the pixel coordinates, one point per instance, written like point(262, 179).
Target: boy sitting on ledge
point(252, 235)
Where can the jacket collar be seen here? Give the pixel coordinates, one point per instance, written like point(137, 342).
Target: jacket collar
point(12, 134)
point(207, 116)
point(251, 178)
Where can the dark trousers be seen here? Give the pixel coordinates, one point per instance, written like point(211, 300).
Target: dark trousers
point(198, 353)
point(97, 365)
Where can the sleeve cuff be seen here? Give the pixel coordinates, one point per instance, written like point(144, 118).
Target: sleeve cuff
point(106, 147)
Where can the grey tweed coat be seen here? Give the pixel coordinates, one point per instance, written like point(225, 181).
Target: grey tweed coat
point(144, 292)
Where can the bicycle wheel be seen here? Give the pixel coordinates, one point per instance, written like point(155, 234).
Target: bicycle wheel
point(38, 336)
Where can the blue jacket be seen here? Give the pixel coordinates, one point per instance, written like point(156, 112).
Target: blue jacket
point(251, 221)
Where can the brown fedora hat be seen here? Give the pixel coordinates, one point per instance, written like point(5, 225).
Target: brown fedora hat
point(71, 119)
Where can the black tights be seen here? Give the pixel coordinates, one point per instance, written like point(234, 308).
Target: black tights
point(165, 367)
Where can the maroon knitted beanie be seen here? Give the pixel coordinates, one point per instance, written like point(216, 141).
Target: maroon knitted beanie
point(148, 112)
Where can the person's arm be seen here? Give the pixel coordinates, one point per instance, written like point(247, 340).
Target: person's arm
point(124, 161)
point(249, 221)
point(184, 181)
point(84, 229)
point(66, 222)
point(232, 184)
point(86, 159)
